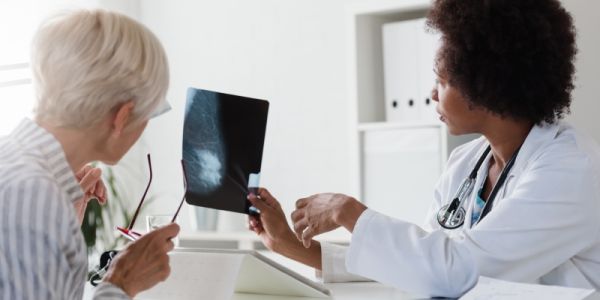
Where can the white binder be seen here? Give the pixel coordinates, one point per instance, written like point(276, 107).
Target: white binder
point(428, 44)
point(408, 57)
point(400, 66)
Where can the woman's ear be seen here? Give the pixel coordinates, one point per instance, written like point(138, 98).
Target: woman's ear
point(122, 117)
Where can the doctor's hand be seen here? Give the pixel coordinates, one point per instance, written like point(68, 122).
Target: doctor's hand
point(321, 213)
point(144, 262)
point(271, 225)
point(90, 180)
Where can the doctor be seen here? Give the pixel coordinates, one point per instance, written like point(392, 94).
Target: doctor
point(521, 203)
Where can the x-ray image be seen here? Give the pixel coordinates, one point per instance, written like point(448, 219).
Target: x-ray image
point(223, 139)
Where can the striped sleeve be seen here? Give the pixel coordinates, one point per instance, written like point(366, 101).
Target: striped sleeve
point(107, 290)
point(35, 262)
point(40, 257)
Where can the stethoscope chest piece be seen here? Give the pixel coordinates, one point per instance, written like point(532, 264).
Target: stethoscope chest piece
point(451, 221)
point(452, 215)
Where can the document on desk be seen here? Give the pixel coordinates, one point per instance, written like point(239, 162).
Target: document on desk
point(494, 289)
point(211, 276)
point(219, 274)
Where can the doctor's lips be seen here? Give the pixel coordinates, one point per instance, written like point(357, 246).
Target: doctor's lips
point(442, 118)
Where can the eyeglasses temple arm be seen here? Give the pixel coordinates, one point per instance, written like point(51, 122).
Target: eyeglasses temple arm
point(184, 191)
point(137, 211)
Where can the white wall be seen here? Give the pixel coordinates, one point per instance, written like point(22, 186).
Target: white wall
point(292, 53)
point(586, 98)
point(289, 52)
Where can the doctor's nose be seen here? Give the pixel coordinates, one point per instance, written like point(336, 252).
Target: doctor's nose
point(434, 95)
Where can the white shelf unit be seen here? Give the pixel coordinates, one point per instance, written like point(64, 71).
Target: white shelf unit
point(245, 240)
point(395, 164)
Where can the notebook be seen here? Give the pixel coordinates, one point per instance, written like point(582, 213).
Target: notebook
point(221, 274)
point(223, 140)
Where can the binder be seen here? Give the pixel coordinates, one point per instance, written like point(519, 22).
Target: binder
point(401, 83)
point(428, 44)
point(408, 57)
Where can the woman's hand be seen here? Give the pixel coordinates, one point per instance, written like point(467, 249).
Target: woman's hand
point(324, 212)
point(90, 180)
point(271, 226)
point(144, 262)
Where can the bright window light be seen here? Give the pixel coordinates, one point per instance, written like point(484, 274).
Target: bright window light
point(16, 93)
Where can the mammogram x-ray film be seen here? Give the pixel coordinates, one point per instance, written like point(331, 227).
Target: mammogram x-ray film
point(223, 139)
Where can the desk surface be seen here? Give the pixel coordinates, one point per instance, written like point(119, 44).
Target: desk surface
point(345, 291)
point(339, 291)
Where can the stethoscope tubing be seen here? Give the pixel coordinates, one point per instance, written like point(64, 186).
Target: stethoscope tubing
point(452, 215)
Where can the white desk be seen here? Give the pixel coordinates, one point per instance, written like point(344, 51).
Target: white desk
point(339, 291)
point(345, 291)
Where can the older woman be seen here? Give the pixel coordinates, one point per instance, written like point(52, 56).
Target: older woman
point(520, 203)
point(99, 78)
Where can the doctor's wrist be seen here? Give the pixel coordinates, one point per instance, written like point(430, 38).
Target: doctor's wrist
point(348, 213)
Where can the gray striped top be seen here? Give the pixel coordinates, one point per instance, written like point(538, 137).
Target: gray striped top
point(42, 251)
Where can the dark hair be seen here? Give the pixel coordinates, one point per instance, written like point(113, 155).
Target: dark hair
point(514, 58)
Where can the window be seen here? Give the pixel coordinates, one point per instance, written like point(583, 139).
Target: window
point(20, 19)
point(16, 95)
point(16, 92)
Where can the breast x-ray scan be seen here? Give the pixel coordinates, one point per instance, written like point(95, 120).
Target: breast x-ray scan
point(223, 139)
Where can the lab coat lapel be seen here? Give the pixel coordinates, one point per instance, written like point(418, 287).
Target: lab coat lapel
point(539, 136)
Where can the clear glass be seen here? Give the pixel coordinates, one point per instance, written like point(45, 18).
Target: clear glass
point(156, 221)
point(129, 232)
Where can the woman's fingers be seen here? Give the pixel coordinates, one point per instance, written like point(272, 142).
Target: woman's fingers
point(100, 192)
point(83, 171)
point(169, 246)
point(144, 262)
point(89, 180)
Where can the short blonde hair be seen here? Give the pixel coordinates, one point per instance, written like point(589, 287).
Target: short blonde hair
point(87, 62)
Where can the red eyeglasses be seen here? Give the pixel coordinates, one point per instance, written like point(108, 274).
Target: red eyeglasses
point(129, 232)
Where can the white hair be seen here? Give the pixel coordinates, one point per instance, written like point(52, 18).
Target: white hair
point(85, 63)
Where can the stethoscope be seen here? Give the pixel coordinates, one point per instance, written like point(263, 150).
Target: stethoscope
point(452, 215)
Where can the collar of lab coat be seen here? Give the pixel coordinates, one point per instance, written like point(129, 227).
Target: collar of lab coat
point(539, 136)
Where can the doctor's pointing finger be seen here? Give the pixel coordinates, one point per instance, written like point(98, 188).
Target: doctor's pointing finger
point(322, 213)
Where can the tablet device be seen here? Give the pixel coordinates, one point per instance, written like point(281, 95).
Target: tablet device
point(221, 274)
point(223, 140)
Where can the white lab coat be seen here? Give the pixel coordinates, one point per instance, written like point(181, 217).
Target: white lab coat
point(544, 226)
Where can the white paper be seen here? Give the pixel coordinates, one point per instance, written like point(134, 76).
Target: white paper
point(494, 289)
point(198, 275)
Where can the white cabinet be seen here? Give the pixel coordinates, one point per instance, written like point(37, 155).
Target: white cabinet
point(401, 166)
point(398, 155)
